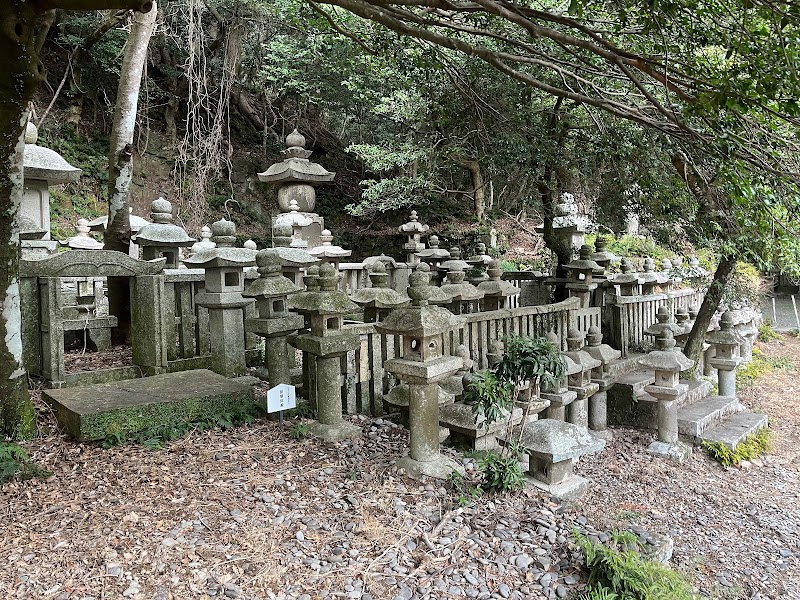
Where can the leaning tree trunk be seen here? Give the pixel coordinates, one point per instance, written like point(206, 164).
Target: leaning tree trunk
point(21, 32)
point(478, 191)
point(694, 343)
point(120, 164)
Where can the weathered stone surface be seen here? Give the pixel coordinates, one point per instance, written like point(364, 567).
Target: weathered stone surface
point(90, 263)
point(557, 441)
point(97, 411)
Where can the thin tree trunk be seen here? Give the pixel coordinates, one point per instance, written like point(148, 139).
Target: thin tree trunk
point(478, 188)
point(694, 343)
point(120, 163)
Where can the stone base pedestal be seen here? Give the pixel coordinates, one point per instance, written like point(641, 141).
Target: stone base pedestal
point(334, 432)
point(466, 432)
point(677, 452)
point(558, 403)
point(439, 468)
point(567, 491)
point(605, 434)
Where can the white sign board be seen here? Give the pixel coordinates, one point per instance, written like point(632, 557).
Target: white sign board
point(281, 397)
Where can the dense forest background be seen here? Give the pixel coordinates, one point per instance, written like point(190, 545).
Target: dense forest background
point(404, 124)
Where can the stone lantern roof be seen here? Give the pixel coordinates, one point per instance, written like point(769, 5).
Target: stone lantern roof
point(328, 300)
point(271, 283)
point(597, 349)
point(327, 250)
point(602, 255)
point(290, 257)
point(420, 320)
point(666, 357)
point(495, 286)
point(558, 441)
point(380, 295)
point(204, 243)
point(83, 241)
point(45, 164)
point(459, 290)
point(584, 262)
point(480, 257)
point(664, 321)
point(576, 352)
point(296, 167)
point(161, 232)
point(454, 262)
point(437, 296)
point(433, 253)
point(628, 275)
point(137, 222)
point(413, 228)
point(726, 334)
point(224, 255)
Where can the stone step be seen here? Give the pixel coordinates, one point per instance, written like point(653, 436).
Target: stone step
point(698, 389)
point(119, 408)
point(622, 366)
point(735, 429)
point(635, 380)
point(695, 418)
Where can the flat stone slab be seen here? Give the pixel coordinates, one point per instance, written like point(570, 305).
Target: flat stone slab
point(636, 381)
point(97, 411)
point(696, 418)
point(677, 452)
point(696, 389)
point(566, 492)
point(734, 430)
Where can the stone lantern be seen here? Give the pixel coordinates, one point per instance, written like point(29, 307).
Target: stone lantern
point(682, 321)
point(293, 260)
point(558, 394)
point(598, 402)
point(414, 230)
point(328, 252)
point(433, 256)
point(663, 321)
point(297, 221)
point(379, 299)
point(569, 224)
point(627, 280)
point(667, 362)
point(42, 168)
point(161, 237)
point(580, 382)
point(454, 262)
point(581, 273)
point(224, 283)
point(725, 341)
point(553, 447)
point(422, 367)
point(296, 177)
point(136, 222)
point(464, 297)
point(602, 256)
point(274, 321)
point(324, 311)
point(479, 262)
point(204, 243)
point(648, 278)
point(82, 240)
point(496, 292)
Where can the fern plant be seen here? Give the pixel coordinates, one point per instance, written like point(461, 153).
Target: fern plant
point(15, 463)
point(753, 446)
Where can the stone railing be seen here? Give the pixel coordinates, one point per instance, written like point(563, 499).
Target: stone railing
point(364, 381)
point(631, 315)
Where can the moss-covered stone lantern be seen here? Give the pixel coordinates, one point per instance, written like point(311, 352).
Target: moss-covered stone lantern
point(422, 366)
point(414, 230)
point(627, 280)
point(557, 393)
point(327, 251)
point(224, 283)
point(648, 278)
point(580, 382)
point(161, 237)
point(601, 375)
point(464, 297)
point(663, 322)
point(293, 260)
point(324, 311)
point(433, 256)
point(274, 321)
point(581, 271)
point(602, 255)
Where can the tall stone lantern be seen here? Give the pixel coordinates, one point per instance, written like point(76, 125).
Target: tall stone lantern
point(274, 321)
point(422, 367)
point(648, 278)
point(667, 362)
point(627, 280)
point(414, 230)
point(598, 402)
point(324, 311)
point(161, 237)
point(433, 256)
point(224, 284)
point(42, 168)
point(296, 176)
point(580, 382)
point(725, 341)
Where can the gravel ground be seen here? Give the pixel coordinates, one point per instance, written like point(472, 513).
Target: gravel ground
point(253, 513)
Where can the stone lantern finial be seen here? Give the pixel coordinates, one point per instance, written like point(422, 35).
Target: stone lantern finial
point(223, 233)
point(418, 288)
point(295, 140)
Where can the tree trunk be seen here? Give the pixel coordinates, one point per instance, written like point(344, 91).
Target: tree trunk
point(120, 163)
point(694, 343)
point(21, 74)
point(478, 191)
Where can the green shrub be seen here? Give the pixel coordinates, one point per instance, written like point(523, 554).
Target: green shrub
point(15, 463)
point(300, 431)
point(766, 333)
point(760, 366)
point(501, 473)
point(754, 446)
point(619, 572)
point(489, 396)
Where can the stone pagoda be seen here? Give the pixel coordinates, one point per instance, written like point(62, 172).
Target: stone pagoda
point(161, 237)
point(296, 177)
point(42, 168)
point(414, 230)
